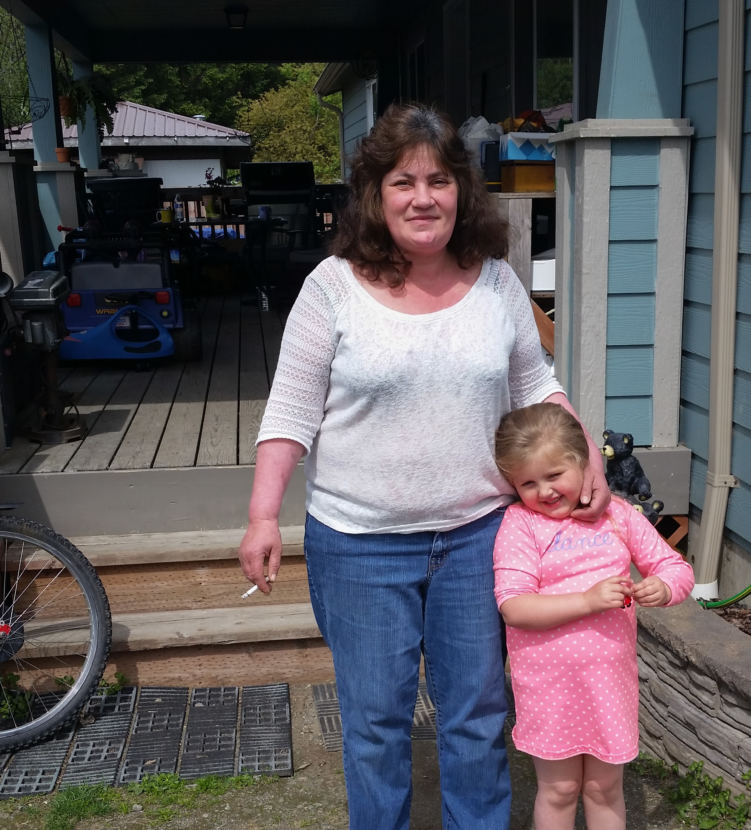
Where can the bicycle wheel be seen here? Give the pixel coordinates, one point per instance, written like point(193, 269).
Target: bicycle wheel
point(55, 632)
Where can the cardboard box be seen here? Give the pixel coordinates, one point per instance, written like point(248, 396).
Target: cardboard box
point(527, 176)
point(526, 147)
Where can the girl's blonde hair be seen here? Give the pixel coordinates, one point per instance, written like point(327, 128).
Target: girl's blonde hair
point(524, 431)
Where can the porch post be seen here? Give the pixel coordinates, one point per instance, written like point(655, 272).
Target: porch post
point(89, 155)
point(11, 254)
point(622, 196)
point(55, 181)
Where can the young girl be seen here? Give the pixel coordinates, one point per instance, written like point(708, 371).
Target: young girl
point(565, 591)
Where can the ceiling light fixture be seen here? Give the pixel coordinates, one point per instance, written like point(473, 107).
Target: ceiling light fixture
point(237, 16)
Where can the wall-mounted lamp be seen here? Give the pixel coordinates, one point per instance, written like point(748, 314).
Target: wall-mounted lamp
point(237, 16)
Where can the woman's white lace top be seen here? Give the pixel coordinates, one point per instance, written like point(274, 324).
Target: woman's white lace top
point(398, 411)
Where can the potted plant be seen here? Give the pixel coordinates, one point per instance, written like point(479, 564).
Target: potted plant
point(212, 201)
point(76, 94)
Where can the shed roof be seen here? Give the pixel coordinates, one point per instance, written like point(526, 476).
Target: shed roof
point(146, 126)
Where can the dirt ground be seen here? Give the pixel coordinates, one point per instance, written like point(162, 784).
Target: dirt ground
point(315, 796)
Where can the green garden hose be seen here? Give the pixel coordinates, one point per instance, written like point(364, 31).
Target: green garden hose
point(722, 603)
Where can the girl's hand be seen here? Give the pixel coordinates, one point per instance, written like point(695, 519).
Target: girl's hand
point(261, 542)
point(652, 592)
point(614, 592)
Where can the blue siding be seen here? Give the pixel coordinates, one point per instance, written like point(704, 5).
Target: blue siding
point(629, 372)
point(701, 98)
point(634, 161)
point(700, 55)
point(631, 320)
point(632, 266)
point(700, 224)
point(699, 12)
point(632, 415)
point(701, 175)
point(633, 213)
point(697, 285)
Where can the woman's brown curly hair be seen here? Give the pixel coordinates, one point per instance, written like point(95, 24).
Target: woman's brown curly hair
point(362, 235)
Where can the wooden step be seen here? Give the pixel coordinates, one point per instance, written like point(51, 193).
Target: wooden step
point(182, 546)
point(178, 612)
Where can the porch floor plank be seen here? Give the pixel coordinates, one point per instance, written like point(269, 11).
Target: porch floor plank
point(173, 415)
point(100, 445)
point(141, 442)
point(254, 384)
point(54, 458)
point(218, 444)
point(179, 446)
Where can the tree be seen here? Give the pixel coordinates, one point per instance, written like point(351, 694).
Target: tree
point(289, 123)
point(217, 91)
point(14, 79)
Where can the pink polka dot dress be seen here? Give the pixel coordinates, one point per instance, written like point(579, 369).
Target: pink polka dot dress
point(576, 686)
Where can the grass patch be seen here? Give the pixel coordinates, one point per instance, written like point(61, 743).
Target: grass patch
point(156, 798)
point(700, 801)
point(73, 804)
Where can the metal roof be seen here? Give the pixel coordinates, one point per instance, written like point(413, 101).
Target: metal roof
point(146, 126)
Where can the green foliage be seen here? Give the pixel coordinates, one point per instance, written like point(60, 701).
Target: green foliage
point(217, 91)
point(74, 804)
point(15, 703)
point(112, 687)
point(555, 81)
point(289, 123)
point(94, 91)
point(14, 79)
point(699, 801)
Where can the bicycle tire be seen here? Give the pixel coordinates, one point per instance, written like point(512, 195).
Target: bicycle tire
point(54, 621)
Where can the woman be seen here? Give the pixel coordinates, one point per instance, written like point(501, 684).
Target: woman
point(400, 356)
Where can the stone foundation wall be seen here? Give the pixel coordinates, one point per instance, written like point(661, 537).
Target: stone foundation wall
point(695, 684)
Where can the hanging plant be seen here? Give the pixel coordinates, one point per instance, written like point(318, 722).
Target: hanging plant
point(76, 94)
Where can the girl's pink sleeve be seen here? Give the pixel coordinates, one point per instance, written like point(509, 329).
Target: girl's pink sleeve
point(652, 555)
point(516, 560)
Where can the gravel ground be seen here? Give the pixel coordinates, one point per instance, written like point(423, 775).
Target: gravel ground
point(314, 797)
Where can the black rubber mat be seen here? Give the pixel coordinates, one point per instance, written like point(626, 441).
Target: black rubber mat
point(192, 732)
point(329, 719)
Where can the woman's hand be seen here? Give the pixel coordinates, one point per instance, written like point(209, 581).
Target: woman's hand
point(595, 495)
point(652, 592)
point(261, 543)
point(614, 592)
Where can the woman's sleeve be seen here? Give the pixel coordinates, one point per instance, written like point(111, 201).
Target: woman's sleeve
point(531, 379)
point(653, 556)
point(298, 393)
point(516, 560)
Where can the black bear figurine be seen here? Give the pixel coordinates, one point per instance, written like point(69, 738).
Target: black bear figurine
point(623, 471)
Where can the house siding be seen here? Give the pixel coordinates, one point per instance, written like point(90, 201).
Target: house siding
point(700, 106)
point(632, 265)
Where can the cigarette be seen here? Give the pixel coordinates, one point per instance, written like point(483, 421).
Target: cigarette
point(251, 590)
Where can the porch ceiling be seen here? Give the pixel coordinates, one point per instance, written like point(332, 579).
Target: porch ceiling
point(196, 30)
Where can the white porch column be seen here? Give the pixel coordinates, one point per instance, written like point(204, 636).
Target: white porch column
point(11, 255)
point(89, 155)
point(622, 194)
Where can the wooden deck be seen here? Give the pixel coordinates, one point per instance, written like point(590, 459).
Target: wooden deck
point(148, 424)
point(173, 414)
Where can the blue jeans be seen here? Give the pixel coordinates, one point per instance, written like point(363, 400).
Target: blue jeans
point(382, 599)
